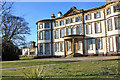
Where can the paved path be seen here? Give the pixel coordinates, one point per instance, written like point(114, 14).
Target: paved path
point(68, 59)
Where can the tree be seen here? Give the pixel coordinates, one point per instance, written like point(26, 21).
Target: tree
point(14, 30)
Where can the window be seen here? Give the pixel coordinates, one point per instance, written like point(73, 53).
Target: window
point(79, 45)
point(89, 45)
point(47, 48)
point(73, 31)
point(117, 23)
point(47, 35)
point(108, 11)
point(118, 43)
point(56, 47)
point(67, 21)
point(99, 43)
point(109, 25)
point(79, 30)
point(40, 26)
point(72, 20)
point(69, 46)
point(40, 35)
point(56, 34)
point(97, 15)
point(41, 49)
point(47, 25)
point(56, 23)
point(88, 17)
point(61, 33)
point(62, 46)
point(111, 44)
point(89, 29)
point(117, 8)
point(68, 31)
point(97, 27)
point(78, 19)
point(61, 23)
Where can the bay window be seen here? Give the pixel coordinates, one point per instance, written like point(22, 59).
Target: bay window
point(117, 23)
point(40, 35)
point(47, 48)
point(41, 49)
point(47, 25)
point(40, 26)
point(97, 27)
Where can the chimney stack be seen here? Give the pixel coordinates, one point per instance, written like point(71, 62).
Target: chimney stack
point(53, 16)
point(59, 14)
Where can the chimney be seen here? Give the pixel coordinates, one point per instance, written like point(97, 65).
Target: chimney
point(59, 14)
point(53, 16)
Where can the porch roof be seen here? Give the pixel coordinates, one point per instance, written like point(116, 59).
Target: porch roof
point(74, 36)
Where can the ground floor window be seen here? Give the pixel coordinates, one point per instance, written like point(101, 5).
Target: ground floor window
point(99, 44)
point(47, 48)
point(62, 46)
point(79, 45)
point(41, 49)
point(89, 42)
point(111, 44)
point(118, 43)
point(69, 46)
point(56, 47)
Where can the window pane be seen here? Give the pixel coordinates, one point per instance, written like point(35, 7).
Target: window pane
point(68, 31)
point(108, 11)
point(117, 8)
point(69, 46)
point(47, 48)
point(77, 19)
point(80, 45)
point(56, 34)
point(79, 30)
point(61, 22)
point(40, 26)
point(62, 33)
point(46, 25)
point(67, 21)
point(56, 24)
point(40, 36)
point(56, 47)
point(72, 20)
point(117, 22)
point(109, 25)
point(41, 49)
point(98, 29)
point(73, 30)
point(118, 42)
point(89, 44)
point(111, 44)
point(98, 44)
point(62, 46)
point(89, 29)
point(47, 35)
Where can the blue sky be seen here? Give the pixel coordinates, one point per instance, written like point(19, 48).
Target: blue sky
point(34, 11)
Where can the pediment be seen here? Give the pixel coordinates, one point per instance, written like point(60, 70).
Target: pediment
point(72, 11)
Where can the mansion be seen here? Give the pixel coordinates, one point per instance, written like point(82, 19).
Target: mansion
point(94, 31)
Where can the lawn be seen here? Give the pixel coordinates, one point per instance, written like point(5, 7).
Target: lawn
point(24, 63)
point(28, 57)
point(84, 69)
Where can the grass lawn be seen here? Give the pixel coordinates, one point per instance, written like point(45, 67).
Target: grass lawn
point(28, 57)
point(24, 63)
point(85, 69)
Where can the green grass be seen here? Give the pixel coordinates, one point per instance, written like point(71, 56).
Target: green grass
point(24, 63)
point(29, 57)
point(88, 69)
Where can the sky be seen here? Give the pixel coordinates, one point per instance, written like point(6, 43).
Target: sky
point(35, 11)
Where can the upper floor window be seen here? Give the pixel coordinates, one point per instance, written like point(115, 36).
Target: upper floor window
point(97, 14)
point(72, 20)
point(67, 21)
point(88, 17)
point(56, 23)
point(56, 47)
point(118, 43)
point(108, 11)
point(78, 19)
point(68, 31)
point(99, 43)
point(117, 23)
point(73, 31)
point(61, 23)
point(89, 29)
point(47, 35)
point(47, 48)
point(56, 34)
point(79, 30)
point(40, 26)
point(117, 8)
point(40, 35)
point(79, 45)
point(61, 33)
point(89, 45)
point(47, 25)
point(97, 27)
point(109, 25)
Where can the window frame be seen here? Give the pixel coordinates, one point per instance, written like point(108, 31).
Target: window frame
point(45, 35)
point(118, 22)
point(91, 44)
point(99, 26)
point(101, 45)
point(108, 25)
point(40, 35)
point(108, 9)
point(86, 28)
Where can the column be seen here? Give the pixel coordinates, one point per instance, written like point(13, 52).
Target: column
point(64, 48)
point(73, 47)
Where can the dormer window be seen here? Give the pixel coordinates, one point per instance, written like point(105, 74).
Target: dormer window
point(67, 21)
point(78, 19)
point(108, 11)
point(117, 8)
point(88, 17)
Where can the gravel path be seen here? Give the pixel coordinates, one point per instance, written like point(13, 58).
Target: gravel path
point(68, 59)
